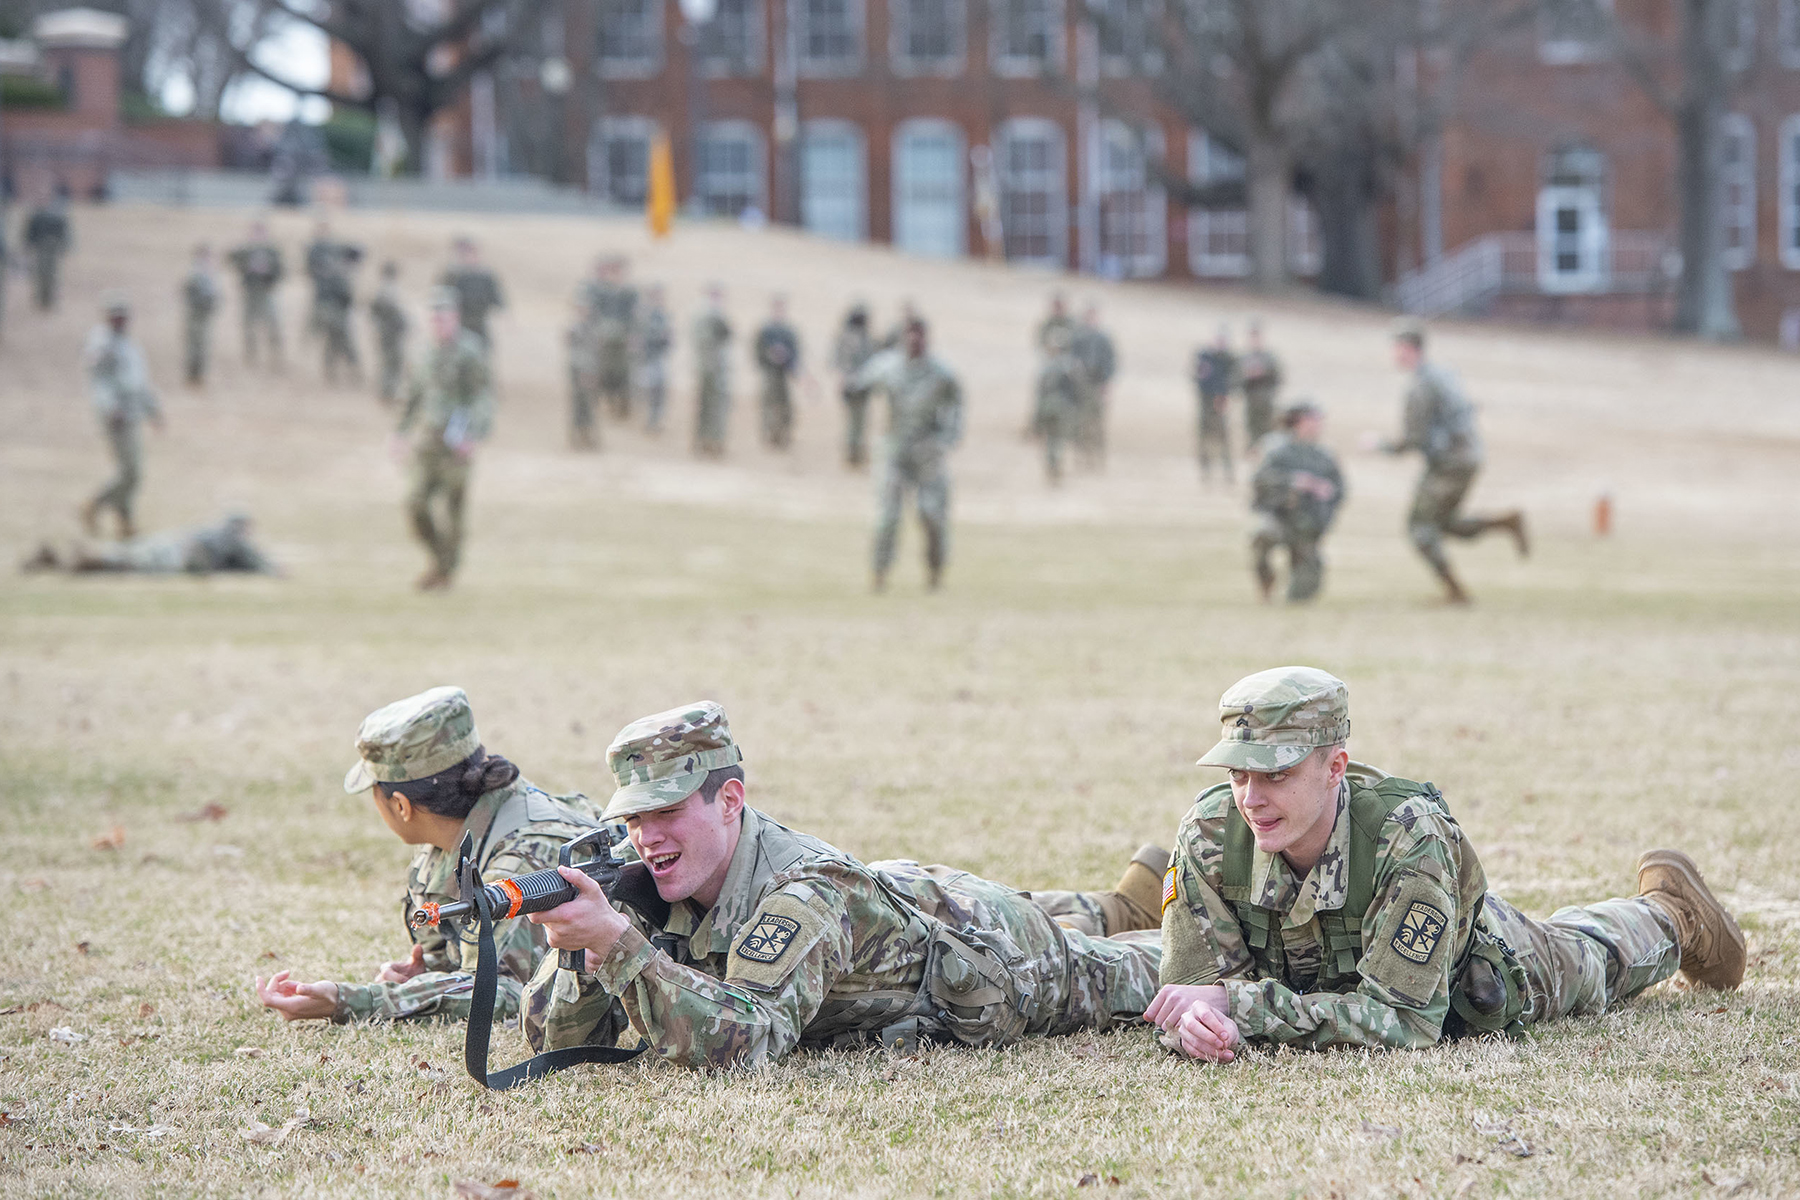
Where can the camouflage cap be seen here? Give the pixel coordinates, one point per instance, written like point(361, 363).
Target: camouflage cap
point(1273, 719)
point(661, 760)
point(443, 299)
point(413, 738)
point(115, 304)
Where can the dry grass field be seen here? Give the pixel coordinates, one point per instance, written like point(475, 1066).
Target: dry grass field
point(1034, 722)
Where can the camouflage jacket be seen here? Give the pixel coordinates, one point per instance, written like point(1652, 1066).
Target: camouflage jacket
point(1049, 327)
point(477, 294)
point(1099, 357)
point(924, 403)
point(803, 939)
point(1438, 421)
point(1259, 372)
point(388, 315)
point(47, 231)
point(222, 547)
point(654, 337)
point(1059, 386)
point(199, 294)
point(118, 377)
point(852, 349)
point(517, 829)
point(1428, 890)
point(612, 310)
point(712, 338)
point(778, 348)
point(258, 265)
point(1215, 372)
point(1273, 490)
point(450, 402)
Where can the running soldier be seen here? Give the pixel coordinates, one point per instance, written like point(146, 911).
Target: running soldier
point(1259, 374)
point(123, 400)
point(1215, 369)
point(849, 353)
point(477, 290)
point(778, 359)
point(388, 316)
point(199, 300)
point(712, 363)
point(259, 267)
point(1061, 385)
point(1099, 363)
point(650, 349)
point(1295, 494)
point(449, 412)
point(47, 235)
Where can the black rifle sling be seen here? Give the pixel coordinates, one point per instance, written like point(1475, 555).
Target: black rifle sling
point(481, 1023)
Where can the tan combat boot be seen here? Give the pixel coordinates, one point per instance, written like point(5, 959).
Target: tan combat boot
point(1712, 946)
point(1136, 900)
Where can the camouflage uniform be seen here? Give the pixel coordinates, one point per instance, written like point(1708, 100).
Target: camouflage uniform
point(853, 348)
point(808, 947)
point(200, 551)
point(651, 369)
point(1061, 388)
point(333, 300)
point(451, 407)
point(47, 233)
point(612, 309)
point(1287, 515)
point(123, 398)
point(1099, 362)
point(924, 424)
point(389, 317)
point(259, 269)
point(321, 263)
point(584, 382)
point(1259, 374)
point(1269, 940)
point(712, 344)
point(477, 294)
point(778, 358)
point(516, 829)
point(1215, 370)
point(1439, 422)
point(199, 300)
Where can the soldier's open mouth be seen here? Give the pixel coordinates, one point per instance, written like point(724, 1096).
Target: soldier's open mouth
point(662, 864)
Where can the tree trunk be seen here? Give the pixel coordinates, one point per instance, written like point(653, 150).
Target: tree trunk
point(1269, 177)
point(415, 124)
point(1704, 301)
point(1343, 193)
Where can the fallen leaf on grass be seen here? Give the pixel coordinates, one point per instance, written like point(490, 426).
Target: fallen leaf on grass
point(81, 947)
point(1092, 1180)
point(248, 1052)
point(506, 1189)
point(6, 1119)
point(146, 1008)
point(587, 1148)
point(208, 812)
point(1731, 1185)
point(10, 1010)
point(267, 1135)
point(112, 839)
point(1388, 1131)
point(64, 1036)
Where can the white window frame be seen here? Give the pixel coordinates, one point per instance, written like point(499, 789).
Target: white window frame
point(903, 133)
point(1787, 33)
point(1218, 239)
point(1018, 66)
point(1740, 53)
point(1119, 66)
point(835, 67)
point(757, 194)
point(903, 62)
point(1590, 274)
point(831, 127)
point(1108, 182)
point(1056, 214)
point(1738, 220)
point(607, 130)
point(1787, 204)
point(755, 51)
point(1567, 51)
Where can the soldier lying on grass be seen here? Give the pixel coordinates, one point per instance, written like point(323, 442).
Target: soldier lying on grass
point(1313, 901)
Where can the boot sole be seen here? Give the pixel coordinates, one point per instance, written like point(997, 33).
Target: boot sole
point(1689, 871)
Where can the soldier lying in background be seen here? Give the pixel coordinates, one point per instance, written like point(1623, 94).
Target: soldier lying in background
point(199, 551)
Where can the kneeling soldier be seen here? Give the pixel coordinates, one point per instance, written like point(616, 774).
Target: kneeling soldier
point(759, 939)
point(1317, 902)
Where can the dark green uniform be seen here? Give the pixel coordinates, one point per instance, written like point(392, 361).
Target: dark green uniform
point(777, 359)
point(1215, 371)
point(47, 234)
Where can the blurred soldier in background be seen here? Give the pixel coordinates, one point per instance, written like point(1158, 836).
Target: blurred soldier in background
point(5, 261)
point(1295, 493)
point(1439, 422)
point(778, 359)
point(199, 551)
point(477, 290)
point(449, 411)
point(390, 320)
point(1215, 369)
point(924, 425)
point(852, 349)
point(611, 307)
point(321, 264)
point(712, 362)
point(584, 373)
point(123, 398)
point(1060, 386)
point(259, 267)
point(335, 299)
point(1099, 363)
point(650, 348)
point(1259, 374)
point(1058, 320)
point(47, 234)
point(199, 300)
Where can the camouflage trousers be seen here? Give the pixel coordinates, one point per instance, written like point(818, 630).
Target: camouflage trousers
point(44, 268)
point(440, 479)
point(197, 342)
point(262, 328)
point(393, 368)
point(856, 427)
point(777, 410)
point(1435, 513)
point(340, 349)
point(929, 481)
point(714, 415)
point(1306, 566)
point(120, 494)
point(1582, 961)
point(1259, 414)
point(583, 399)
point(652, 383)
point(1215, 441)
point(1068, 980)
point(1057, 425)
point(614, 377)
point(1090, 425)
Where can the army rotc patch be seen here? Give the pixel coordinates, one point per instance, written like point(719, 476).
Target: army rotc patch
point(775, 942)
point(769, 939)
point(1419, 932)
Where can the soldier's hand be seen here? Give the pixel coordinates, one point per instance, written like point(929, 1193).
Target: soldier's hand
point(296, 1001)
point(406, 968)
point(588, 922)
point(1207, 1034)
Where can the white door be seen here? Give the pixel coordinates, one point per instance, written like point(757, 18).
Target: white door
point(929, 209)
point(831, 198)
point(1571, 237)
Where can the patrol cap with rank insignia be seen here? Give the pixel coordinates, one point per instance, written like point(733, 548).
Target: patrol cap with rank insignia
point(1273, 719)
point(413, 738)
point(662, 759)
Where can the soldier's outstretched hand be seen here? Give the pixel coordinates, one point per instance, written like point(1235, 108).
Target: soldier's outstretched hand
point(296, 1001)
point(406, 968)
point(588, 922)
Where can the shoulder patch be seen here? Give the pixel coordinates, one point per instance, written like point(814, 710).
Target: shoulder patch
point(774, 941)
point(1169, 886)
point(1409, 958)
point(1419, 931)
point(769, 938)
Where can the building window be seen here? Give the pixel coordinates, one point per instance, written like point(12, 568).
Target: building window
point(619, 159)
point(1133, 211)
point(1740, 33)
point(1027, 36)
point(1573, 31)
point(1219, 235)
point(731, 169)
point(832, 180)
point(829, 34)
point(1034, 208)
point(1787, 33)
point(630, 38)
point(1788, 199)
point(930, 212)
point(1571, 222)
point(1737, 189)
point(1127, 36)
point(732, 42)
point(1789, 329)
point(927, 37)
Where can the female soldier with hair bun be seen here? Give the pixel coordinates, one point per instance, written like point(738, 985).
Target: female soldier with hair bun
point(432, 781)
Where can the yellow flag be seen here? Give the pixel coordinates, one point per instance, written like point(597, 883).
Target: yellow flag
point(659, 205)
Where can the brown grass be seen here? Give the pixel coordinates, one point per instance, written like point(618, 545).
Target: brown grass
point(1035, 723)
